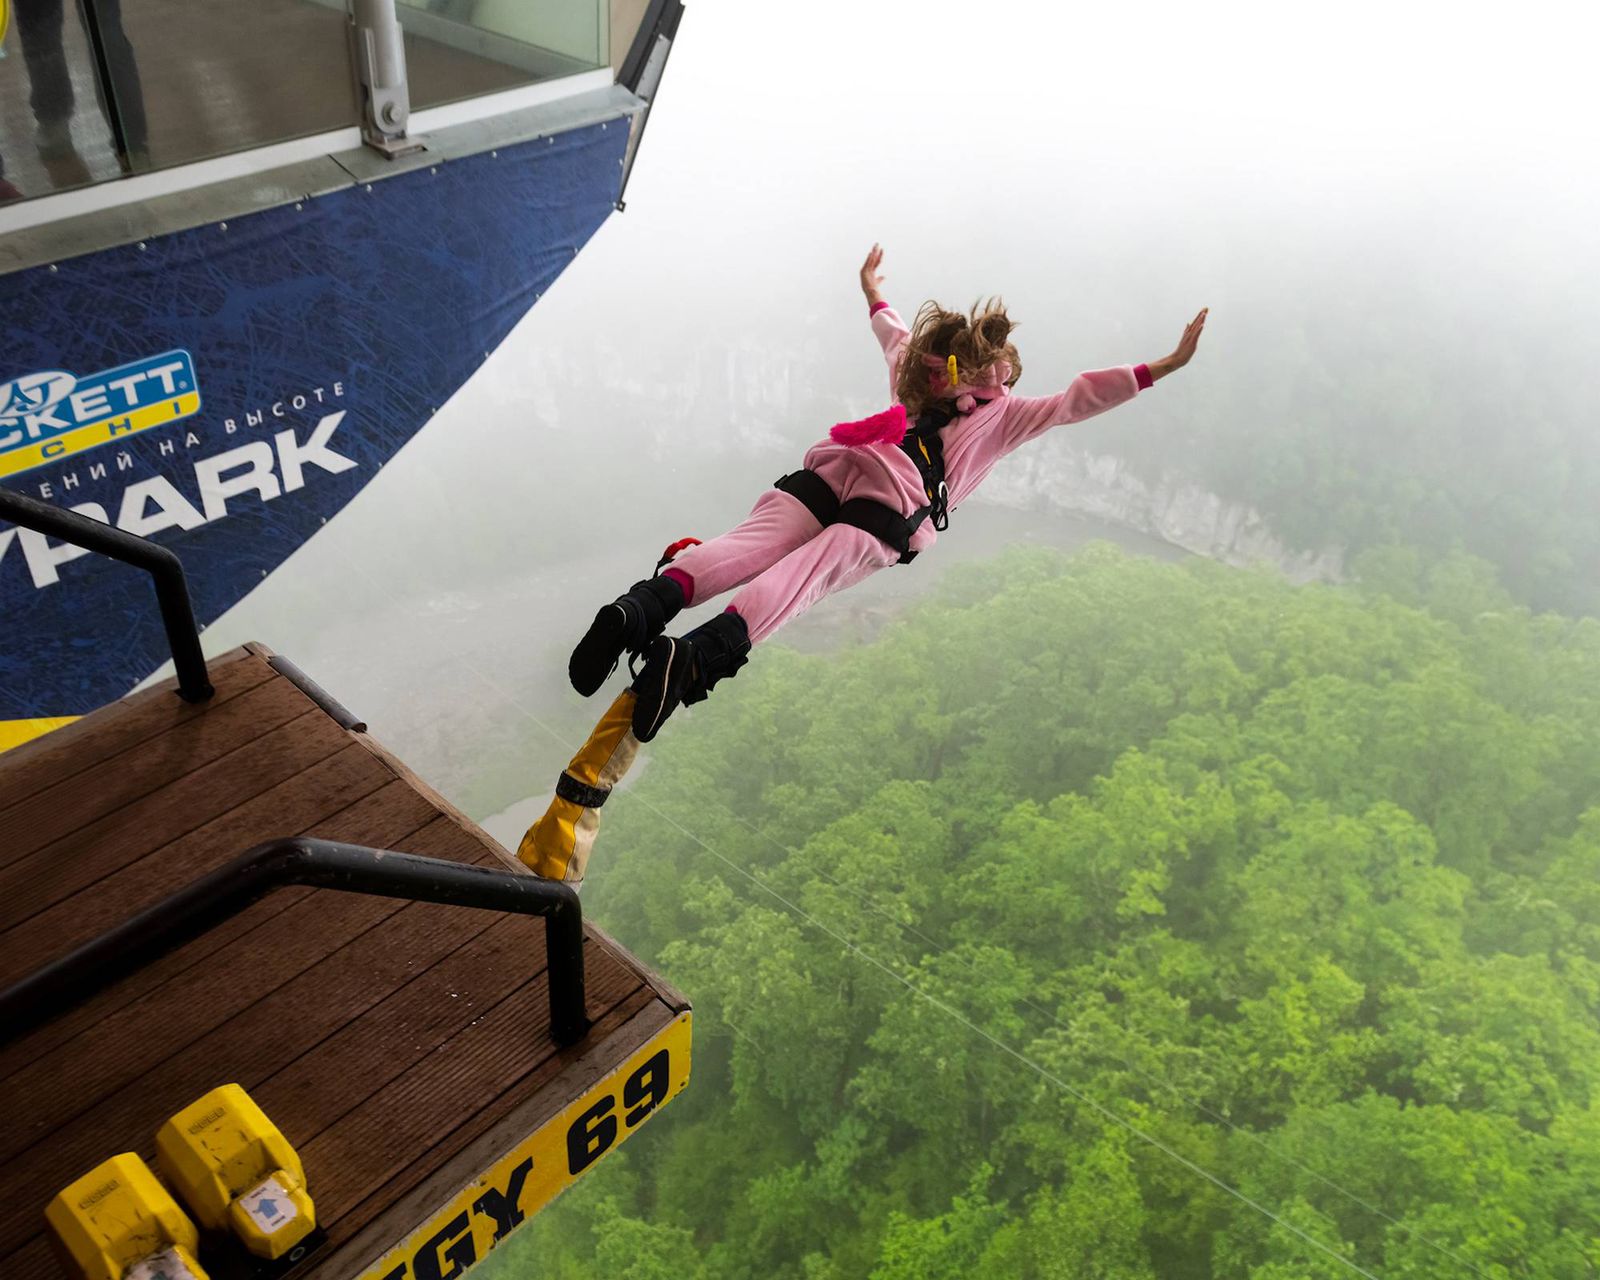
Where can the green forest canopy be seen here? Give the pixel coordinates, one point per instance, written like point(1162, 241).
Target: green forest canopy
point(1093, 871)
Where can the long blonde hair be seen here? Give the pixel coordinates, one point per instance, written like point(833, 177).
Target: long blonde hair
point(976, 340)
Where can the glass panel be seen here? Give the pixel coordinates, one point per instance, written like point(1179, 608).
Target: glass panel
point(54, 134)
point(222, 77)
point(191, 81)
point(626, 18)
point(459, 49)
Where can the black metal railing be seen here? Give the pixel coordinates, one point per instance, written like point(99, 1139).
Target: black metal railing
point(172, 588)
point(323, 864)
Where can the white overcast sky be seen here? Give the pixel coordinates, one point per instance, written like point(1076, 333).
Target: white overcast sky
point(981, 143)
point(1025, 94)
point(1377, 90)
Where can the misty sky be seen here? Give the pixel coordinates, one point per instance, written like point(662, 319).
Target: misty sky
point(973, 140)
point(1109, 169)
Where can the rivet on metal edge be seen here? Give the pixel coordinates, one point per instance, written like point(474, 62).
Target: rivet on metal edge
point(369, 186)
point(493, 155)
point(434, 169)
point(52, 267)
point(141, 246)
point(298, 207)
point(222, 226)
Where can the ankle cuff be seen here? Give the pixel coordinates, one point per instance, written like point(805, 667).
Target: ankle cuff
point(685, 583)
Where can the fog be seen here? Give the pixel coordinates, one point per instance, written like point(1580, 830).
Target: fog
point(1173, 921)
point(1406, 189)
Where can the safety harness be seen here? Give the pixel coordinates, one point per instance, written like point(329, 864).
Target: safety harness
point(924, 445)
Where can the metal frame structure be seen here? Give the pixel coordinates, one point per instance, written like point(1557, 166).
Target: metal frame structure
point(641, 71)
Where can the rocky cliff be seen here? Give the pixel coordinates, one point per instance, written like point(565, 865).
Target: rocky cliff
point(1170, 507)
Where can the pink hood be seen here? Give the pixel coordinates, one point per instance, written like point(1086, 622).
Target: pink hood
point(889, 427)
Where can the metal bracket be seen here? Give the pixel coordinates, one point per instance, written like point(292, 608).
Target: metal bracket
point(378, 54)
point(337, 711)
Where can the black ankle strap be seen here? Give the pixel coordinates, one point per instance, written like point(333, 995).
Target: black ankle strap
point(718, 648)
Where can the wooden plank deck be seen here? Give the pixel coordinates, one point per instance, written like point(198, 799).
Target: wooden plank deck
point(400, 1046)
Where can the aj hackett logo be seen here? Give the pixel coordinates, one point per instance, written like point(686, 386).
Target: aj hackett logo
point(199, 474)
point(49, 416)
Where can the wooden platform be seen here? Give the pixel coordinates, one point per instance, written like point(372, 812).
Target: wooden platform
point(402, 1048)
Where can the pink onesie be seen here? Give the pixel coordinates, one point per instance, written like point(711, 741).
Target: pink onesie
point(785, 561)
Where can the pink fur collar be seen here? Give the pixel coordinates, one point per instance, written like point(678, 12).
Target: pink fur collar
point(888, 427)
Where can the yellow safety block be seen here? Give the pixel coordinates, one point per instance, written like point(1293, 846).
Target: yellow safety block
point(237, 1172)
point(13, 733)
point(118, 1223)
point(557, 845)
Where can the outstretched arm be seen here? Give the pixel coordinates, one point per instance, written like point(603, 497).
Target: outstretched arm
point(886, 323)
point(1093, 392)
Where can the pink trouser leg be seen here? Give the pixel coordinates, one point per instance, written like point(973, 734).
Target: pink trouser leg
point(838, 557)
point(776, 525)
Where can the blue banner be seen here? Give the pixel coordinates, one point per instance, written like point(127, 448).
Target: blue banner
point(227, 389)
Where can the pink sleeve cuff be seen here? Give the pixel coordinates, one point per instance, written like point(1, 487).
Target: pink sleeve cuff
point(1141, 374)
point(876, 307)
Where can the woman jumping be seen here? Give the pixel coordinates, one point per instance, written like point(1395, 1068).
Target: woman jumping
point(873, 494)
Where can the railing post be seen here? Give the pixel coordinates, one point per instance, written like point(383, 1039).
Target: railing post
point(172, 588)
point(378, 51)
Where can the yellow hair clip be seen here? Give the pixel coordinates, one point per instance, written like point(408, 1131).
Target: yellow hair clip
point(951, 365)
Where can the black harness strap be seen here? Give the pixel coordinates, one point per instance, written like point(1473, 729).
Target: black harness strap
point(881, 521)
point(814, 491)
point(925, 447)
point(884, 523)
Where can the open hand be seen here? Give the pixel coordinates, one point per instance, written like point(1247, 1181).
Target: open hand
point(1185, 349)
point(870, 279)
point(1190, 340)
